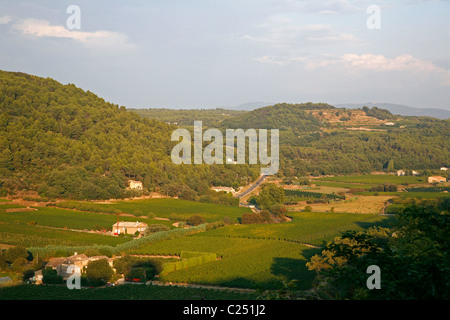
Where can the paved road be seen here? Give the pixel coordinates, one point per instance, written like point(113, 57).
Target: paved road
point(255, 185)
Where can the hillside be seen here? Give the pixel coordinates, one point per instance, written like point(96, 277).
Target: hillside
point(64, 142)
point(317, 138)
point(401, 109)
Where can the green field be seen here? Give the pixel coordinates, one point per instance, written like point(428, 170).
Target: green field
point(164, 208)
point(35, 236)
point(343, 184)
point(263, 255)
point(63, 218)
point(417, 195)
point(123, 292)
point(375, 179)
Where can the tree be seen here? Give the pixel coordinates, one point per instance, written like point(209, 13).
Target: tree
point(50, 276)
point(251, 218)
point(269, 196)
point(413, 257)
point(195, 220)
point(99, 272)
point(15, 252)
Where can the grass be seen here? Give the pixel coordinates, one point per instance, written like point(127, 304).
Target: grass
point(122, 292)
point(35, 236)
point(63, 218)
point(263, 255)
point(306, 227)
point(164, 208)
point(365, 204)
point(264, 267)
point(344, 185)
point(376, 179)
point(417, 195)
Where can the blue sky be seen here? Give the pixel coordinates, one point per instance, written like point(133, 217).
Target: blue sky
point(214, 53)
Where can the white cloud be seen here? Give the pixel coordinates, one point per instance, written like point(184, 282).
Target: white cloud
point(97, 39)
point(378, 63)
point(288, 35)
point(351, 63)
point(5, 19)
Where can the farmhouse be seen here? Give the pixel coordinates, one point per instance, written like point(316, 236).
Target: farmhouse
point(126, 227)
point(436, 179)
point(224, 189)
point(79, 260)
point(135, 184)
point(401, 173)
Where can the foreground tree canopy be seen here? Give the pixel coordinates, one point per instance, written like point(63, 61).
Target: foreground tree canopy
point(413, 256)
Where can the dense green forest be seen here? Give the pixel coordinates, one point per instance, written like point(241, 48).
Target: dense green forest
point(186, 117)
point(311, 145)
point(64, 142)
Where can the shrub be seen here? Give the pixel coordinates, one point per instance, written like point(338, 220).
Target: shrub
point(265, 215)
point(195, 220)
point(156, 228)
point(50, 276)
point(99, 272)
point(251, 218)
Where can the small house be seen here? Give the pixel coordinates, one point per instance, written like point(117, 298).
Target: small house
point(224, 189)
point(401, 173)
point(136, 185)
point(436, 179)
point(127, 227)
point(444, 169)
point(61, 265)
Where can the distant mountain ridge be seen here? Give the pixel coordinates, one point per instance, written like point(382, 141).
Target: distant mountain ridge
point(392, 107)
point(400, 109)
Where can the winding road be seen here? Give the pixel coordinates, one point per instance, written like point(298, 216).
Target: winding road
point(252, 187)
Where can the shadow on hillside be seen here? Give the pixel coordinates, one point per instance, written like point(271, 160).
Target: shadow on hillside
point(295, 270)
point(386, 223)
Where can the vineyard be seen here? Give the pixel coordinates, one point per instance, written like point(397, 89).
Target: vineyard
point(309, 194)
point(428, 189)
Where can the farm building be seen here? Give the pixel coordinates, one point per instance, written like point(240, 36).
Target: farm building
point(444, 168)
point(79, 260)
point(224, 189)
point(436, 179)
point(126, 227)
point(401, 173)
point(136, 185)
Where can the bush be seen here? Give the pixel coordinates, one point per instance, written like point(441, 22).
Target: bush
point(265, 215)
point(3, 192)
point(50, 276)
point(251, 218)
point(99, 272)
point(195, 220)
point(308, 209)
point(156, 228)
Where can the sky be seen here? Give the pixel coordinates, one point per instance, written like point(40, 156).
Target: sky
point(223, 53)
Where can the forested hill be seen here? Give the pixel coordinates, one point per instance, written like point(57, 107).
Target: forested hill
point(64, 142)
point(319, 139)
